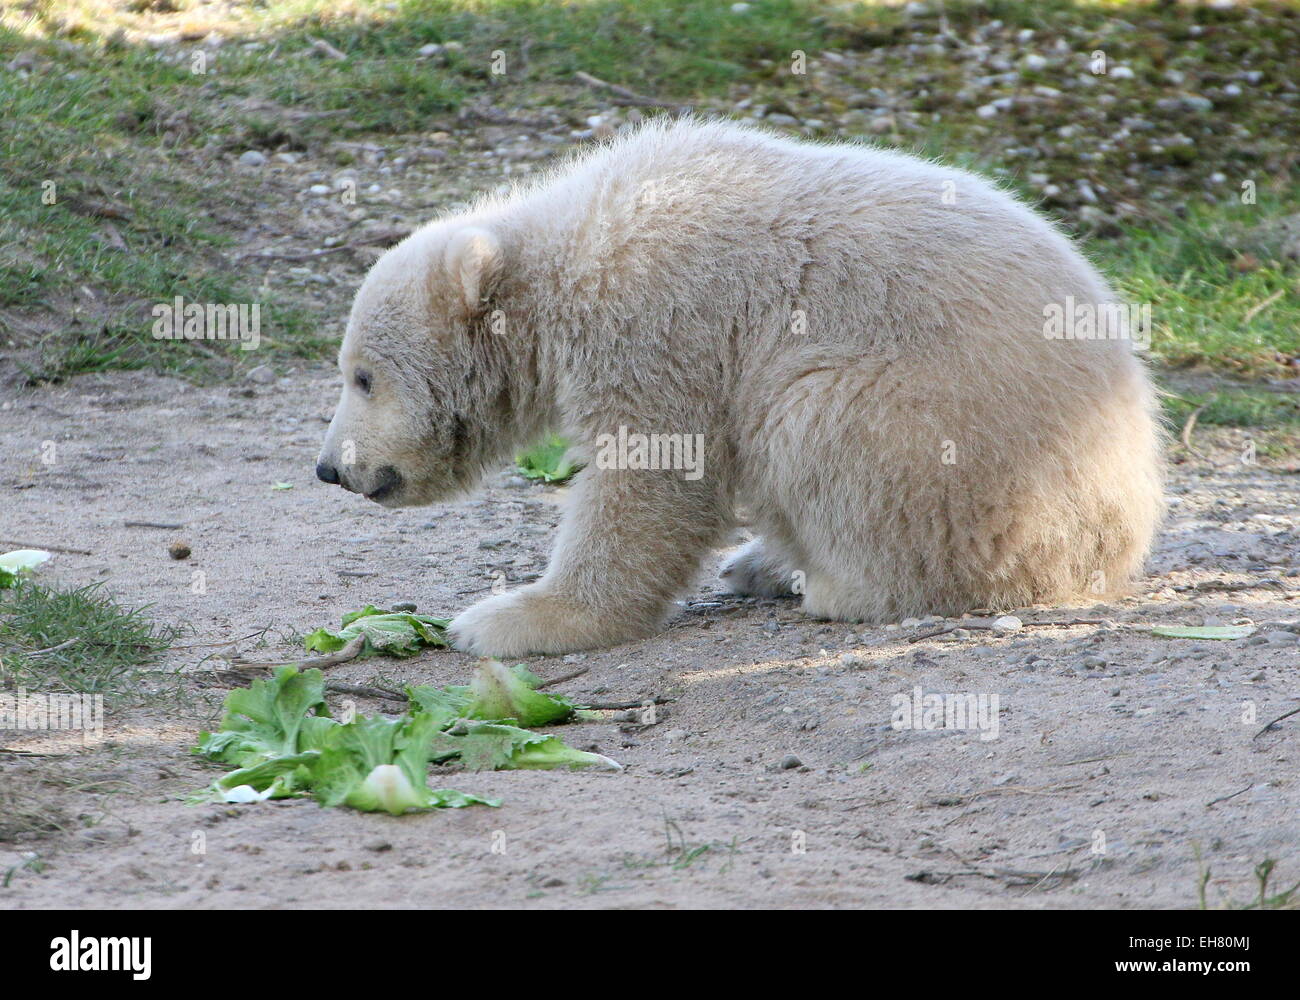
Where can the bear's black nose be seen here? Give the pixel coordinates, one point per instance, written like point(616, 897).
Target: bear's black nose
point(326, 473)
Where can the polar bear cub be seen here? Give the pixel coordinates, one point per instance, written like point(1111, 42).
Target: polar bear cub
point(862, 351)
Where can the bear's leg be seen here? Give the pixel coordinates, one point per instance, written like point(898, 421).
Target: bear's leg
point(760, 569)
point(629, 542)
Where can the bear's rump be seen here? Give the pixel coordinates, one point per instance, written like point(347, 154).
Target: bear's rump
point(916, 488)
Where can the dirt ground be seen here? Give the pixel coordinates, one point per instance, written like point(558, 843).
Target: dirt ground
point(771, 778)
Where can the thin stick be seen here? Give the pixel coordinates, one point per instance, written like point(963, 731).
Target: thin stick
point(618, 706)
point(364, 692)
point(988, 627)
point(1087, 760)
point(51, 548)
point(153, 524)
point(1225, 798)
point(563, 677)
point(1186, 436)
point(623, 96)
point(299, 255)
point(1210, 586)
point(55, 649)
point(1284, 715)
point(1259, 307)
point(349, 652)
point(368, 241)
point(325, 48)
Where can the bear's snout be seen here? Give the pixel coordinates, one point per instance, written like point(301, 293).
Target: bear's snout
point(383, 484)
point(327, 472)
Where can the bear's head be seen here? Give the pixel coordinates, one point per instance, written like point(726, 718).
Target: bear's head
point(425, 394)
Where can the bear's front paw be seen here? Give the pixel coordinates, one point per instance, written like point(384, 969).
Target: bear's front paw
point(531, 621)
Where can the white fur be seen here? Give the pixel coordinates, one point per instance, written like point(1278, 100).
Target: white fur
point(657, 283)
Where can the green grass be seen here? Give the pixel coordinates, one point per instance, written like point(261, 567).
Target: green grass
point(109, 643)
point(687, 46)
point(1235, 407)
point(1268, 895)
point(1269, 420)
point(99, 219)
point(680, 854)
point(1223, 294)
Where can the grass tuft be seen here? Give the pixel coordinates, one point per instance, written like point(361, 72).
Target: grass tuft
point(1268, 896)
point(106, 643)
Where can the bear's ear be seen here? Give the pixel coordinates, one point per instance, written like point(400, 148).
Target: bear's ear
point(473, 262)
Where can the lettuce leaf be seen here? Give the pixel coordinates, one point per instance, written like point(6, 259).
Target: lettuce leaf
point(495, 694)
point(499, 692)
point(278, 778)
point(376, 763)
point(546, 461)
point(495, 746)
point(396, 633)
point(263, 720)
point(446, 704)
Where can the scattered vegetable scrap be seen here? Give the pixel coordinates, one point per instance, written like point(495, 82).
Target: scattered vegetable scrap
point(14, 564)
point(387, 633)
point(548, 461)
point(280, 739)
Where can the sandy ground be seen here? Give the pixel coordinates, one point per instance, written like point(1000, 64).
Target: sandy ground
point(774, 763)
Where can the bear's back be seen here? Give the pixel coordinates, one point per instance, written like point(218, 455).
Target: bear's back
point(681, 216)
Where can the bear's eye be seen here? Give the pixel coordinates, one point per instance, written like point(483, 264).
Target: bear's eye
point(362, 378)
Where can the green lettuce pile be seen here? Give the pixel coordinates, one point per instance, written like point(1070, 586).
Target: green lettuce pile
point(279, 738)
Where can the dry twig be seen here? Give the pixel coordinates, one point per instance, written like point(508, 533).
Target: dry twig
point(988, 627)
point(1284, 715)
point(622, 96)
point(349, 652)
